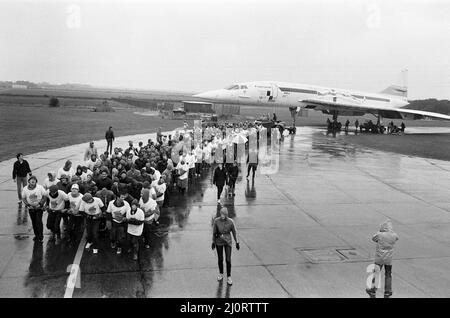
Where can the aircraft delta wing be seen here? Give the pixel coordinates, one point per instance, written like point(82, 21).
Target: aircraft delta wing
point(350, 105)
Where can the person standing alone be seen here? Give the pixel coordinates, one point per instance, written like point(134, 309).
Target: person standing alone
point(385, 239)
point(109, 136)
point(21, 170)
point(223, 227)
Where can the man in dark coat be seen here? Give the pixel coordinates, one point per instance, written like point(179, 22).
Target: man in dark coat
point(104, 181)
point(233, 173)
point(109, 136)
point(219, 179)
point(21, 170)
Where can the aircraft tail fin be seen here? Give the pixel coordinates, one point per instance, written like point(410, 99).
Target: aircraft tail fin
point(398, 90)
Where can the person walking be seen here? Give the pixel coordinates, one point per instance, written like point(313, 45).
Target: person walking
point(21, 170)
point(159, 136)
point(93, 208)
point(233, 173)
point(106, 196)
point(151, 214)
point(109, 136)
point(91, 150)
point(223, 227)
point(34, 197)
point(56, 208)
point(183, 171)
point(75, 218)
point(135, 219)
point(252, 161)
point(219, 179)
point(50, 180)
point(385, 239)
point(116, 212)
point(67, 170)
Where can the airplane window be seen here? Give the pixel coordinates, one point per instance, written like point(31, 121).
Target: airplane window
point(244, 87)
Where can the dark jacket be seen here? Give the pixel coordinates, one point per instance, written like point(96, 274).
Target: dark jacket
point(21, 169)
point(109, 135)
point(233, 172)
point(220, 177)
point(104, 183)
point(64, 187)
point(106, 197)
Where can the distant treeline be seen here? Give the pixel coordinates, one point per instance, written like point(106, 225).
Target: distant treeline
point(431, 105)
point(28, 84)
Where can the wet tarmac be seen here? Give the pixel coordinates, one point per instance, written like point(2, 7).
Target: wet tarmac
point(305, 230)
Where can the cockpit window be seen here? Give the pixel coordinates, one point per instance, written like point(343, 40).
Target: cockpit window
point(244, 87)
point(231, 87)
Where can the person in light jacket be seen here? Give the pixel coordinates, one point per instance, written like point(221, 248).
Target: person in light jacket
point(385, 240)
point(223, 227)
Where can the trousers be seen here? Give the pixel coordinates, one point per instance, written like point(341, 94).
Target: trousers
point(220, 249)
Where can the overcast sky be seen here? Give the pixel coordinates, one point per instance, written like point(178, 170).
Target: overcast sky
point(201, 45)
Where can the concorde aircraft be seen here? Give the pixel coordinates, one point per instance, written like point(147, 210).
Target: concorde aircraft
point(389, 103)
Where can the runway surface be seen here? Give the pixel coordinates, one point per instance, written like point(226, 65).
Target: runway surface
point(305, 230)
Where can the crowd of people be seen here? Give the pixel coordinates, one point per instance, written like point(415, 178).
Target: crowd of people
point(368, 126)
point(124, 192)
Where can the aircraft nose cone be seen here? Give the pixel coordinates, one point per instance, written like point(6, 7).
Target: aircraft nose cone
point(205, 95)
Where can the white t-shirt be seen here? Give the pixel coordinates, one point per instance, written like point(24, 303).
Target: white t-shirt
point(156, 175)
point(69, 173)
point(84, 175)
point(154, 183)
point(34, 196)
point(198, 154)
point(160, 188)
point(207, 152)
point(191, 161)
point(135, 230)
point(118, 212)
point(185, 167)
point(57, 203)
point(93, 208)
point(91, 164)
point(150, 205)
point(75, 203)
point(47, 183)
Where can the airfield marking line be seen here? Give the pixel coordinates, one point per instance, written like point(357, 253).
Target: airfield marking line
point(75, 274)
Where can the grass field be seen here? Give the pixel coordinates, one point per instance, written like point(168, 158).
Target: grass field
point(32, 129)
point(28, 125)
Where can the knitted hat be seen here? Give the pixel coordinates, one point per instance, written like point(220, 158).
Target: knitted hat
point(53, 188)
point(88, 198)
